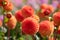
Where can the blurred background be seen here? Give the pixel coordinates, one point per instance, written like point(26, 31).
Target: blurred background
point(34, 3)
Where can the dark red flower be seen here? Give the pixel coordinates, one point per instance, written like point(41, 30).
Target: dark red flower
point(30, 26)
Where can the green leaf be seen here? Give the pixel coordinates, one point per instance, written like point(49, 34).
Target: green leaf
point(21, 38)
point(44, 38)
point(6, 19)
point(1, 38)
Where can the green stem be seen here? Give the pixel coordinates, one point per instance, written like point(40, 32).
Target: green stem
point(3, 22)
point(8, 34)
point(18, 33)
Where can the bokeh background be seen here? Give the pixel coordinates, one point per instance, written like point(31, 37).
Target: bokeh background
point(34, 3)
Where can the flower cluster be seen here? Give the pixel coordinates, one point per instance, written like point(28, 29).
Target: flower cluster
point(25, 21)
